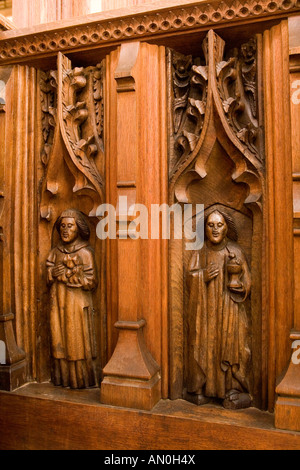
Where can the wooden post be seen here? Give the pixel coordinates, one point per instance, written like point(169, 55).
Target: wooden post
point(279, 203)
point(137, 124)
point(13, 368)
point(287, 409)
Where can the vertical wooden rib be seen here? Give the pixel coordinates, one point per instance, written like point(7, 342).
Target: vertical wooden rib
point(32, 215)
point(111, 198)
point(270, 248)
point(162, 104)
point(24, 209)
point(2, 194)
point(153, 190)
point(262, 358)
point(278, 201)
point(17, 185)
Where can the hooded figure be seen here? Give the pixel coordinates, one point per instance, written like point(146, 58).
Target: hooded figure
point(218, 338)
point(71, 273)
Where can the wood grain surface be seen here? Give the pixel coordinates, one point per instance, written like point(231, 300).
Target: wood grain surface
point(40, 417)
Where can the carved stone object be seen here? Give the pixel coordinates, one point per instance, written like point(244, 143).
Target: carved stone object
point(72, 277)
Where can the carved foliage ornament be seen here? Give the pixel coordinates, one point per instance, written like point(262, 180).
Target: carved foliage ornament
point(189, 103)
point(201, 87)
point(73, 115)
point(237, 85)
point(48, 102)
point(72, 112)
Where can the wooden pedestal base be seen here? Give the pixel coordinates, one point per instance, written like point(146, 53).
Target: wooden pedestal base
point(287, 407)
point(131, 377)
point(131, 393)
point(44, 417)
point(13, 376)
point(14, 373)
point(287, 413)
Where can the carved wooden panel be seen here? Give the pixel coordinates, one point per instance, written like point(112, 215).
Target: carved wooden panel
point(164, 18)
point(219, 327)
point(72, 158)
point(216, 159)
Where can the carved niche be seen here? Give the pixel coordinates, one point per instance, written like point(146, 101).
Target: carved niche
point(216, 159)
point(73, 309)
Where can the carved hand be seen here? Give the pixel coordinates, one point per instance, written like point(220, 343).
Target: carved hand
point(58, 270)
point(210, 272)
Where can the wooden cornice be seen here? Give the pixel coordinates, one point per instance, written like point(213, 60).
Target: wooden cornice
point(150, 22)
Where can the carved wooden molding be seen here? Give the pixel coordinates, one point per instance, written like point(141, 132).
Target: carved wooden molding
point(149, 25)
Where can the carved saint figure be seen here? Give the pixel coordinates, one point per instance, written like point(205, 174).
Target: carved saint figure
point(219, 353)
point(71, 273)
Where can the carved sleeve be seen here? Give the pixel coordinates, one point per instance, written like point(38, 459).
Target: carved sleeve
point(50, 265)
point(89, 276)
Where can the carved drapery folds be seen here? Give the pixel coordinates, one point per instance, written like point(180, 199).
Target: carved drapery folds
point(72, 156)
point(216, 159)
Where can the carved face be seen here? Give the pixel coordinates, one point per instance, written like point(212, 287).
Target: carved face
point(216, 228)
point(68, 230)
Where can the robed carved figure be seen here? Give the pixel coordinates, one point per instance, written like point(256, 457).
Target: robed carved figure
point(219, 334)
point(72, 277)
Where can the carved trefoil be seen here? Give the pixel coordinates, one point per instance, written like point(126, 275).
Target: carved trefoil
point(72, 258)
point(216, 159)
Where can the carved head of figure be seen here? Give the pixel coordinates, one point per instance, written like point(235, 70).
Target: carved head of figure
point(219, 225)
point(216, 228)
point(71, 225)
